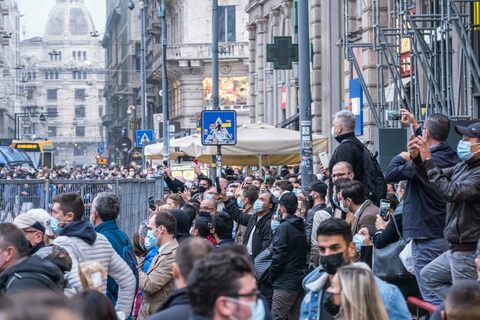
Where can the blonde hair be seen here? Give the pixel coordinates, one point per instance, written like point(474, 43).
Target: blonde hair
point(360, 297)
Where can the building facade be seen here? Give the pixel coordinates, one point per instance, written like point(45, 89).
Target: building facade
point(9, 64)
point(122, 62)
point(189, 36)
point(63, 79)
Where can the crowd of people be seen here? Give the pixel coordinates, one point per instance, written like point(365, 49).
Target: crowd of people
point(262, 247)
point(88, 173)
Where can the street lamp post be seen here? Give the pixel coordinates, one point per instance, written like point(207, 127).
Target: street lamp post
point(166, 120)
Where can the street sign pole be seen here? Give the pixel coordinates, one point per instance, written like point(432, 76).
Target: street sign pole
point(143, 79)
point(166, 121)
point(306, 148)
point(215, 91)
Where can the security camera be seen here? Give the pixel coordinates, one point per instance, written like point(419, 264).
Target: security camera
point(131, 5)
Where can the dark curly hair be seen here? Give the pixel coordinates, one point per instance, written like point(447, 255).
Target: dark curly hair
point(213, 276)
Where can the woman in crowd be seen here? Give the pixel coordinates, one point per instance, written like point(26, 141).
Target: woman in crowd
point(354, 295)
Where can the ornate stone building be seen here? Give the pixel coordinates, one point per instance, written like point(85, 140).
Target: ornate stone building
point(64, 79)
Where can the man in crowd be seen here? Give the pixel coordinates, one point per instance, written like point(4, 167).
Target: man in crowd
point(352, 198)
point(208, 206)
point(336, 249)
point(319, 212)
point(343, 129)
point(342, 170)
point(82, 243)
point(245, 201)
point(222, 286)
point(18, 271)
point(174, 201)
point(222, 229)
point(459, 186)
point(289, 260)
point(35, 225)
point(157, 283)
point(103, 216)
point(423, 216)
point(177, 306)
point(280, 187)
point(258, 234)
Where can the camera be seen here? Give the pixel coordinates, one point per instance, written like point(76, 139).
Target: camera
point(384, 207)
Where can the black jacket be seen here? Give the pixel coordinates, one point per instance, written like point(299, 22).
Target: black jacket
point(176, 307)
point(32, 273)
point(460, 187)
point(423, 209)
point(389, 235)
point(262, 237)
point(289, 254)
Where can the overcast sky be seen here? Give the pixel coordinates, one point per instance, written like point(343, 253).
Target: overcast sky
point(35, 15)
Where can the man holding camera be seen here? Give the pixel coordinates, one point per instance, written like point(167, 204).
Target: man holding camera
point(423, 208)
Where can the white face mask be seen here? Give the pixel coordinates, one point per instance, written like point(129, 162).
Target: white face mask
point(333, 132)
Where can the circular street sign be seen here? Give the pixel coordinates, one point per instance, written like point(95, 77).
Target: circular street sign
point(159, 117)
point(124, 144)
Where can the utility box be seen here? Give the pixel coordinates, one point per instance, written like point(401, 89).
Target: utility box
point(389, 143)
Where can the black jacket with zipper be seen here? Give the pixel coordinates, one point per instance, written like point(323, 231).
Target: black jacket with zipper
point(459, 186)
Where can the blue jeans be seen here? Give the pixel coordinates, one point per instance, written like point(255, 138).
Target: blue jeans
point(423, 252)
point(446, 270)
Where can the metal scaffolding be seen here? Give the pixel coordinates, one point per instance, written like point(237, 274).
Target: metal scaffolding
point(426, 52)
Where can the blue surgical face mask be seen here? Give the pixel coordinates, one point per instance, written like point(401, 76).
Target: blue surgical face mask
point(239, 203)
point(358, 240)
point(274, 224)
point(257, 309)
point(464, 150)
point(276, 193)
point(258, 206)
point(150, 240)
point(54, 224)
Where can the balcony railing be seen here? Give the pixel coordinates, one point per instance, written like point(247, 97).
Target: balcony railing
point(202, 51)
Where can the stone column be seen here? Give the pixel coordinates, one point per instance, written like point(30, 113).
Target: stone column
point(270, 107)
point(191, 97)
point(260, 60)
point(252, 33)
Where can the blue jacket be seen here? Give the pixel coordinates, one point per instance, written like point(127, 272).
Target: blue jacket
point(424, 209)
point(119, 240)
point(315, 281)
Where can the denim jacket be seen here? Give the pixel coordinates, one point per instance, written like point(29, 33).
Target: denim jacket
point(314, 282)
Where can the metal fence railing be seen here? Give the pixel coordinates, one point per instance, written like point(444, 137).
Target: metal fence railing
point(18, 196)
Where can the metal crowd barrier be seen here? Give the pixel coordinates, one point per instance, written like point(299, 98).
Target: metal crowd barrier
point(18, 196)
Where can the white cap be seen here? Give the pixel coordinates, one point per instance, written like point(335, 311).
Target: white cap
point(32, 217)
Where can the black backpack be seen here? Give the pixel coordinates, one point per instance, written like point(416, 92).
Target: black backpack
point(373, 179)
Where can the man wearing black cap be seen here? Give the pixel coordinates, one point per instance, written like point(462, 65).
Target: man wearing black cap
point(288, 260)
point(460, 187)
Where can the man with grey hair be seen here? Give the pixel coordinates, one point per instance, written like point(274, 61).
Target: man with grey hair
point(103, 216)
point(350, 149)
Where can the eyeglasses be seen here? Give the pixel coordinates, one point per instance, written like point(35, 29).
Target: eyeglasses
point(339, 175)
point(206, 209)
point(255, 294)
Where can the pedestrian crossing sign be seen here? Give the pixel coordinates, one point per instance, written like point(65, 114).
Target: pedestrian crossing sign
point(143, 137)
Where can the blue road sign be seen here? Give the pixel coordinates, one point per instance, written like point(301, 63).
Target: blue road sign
point(143, 137)
point(219, 127)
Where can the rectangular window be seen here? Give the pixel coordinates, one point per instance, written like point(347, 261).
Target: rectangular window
point(52, 112)
point(80, 111)
point(80, 131)
point(84, 55)
point(100, 111)
point(226, 23)
point(84, 75)
point(56, 75)
point(51, 94)
point(79, 150)
point(52, 131)
point(100, 94)
point(46, 75)
point(74, 75)
point(80, 94)
point(74, 55)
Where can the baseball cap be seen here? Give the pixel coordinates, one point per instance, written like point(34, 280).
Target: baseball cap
point(472, 131)
point(319, 187)
point(34, 218)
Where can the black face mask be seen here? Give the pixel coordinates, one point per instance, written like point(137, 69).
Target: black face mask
point(311, 201)
point(201, 189)
point(332, 262)
point(331, 308)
